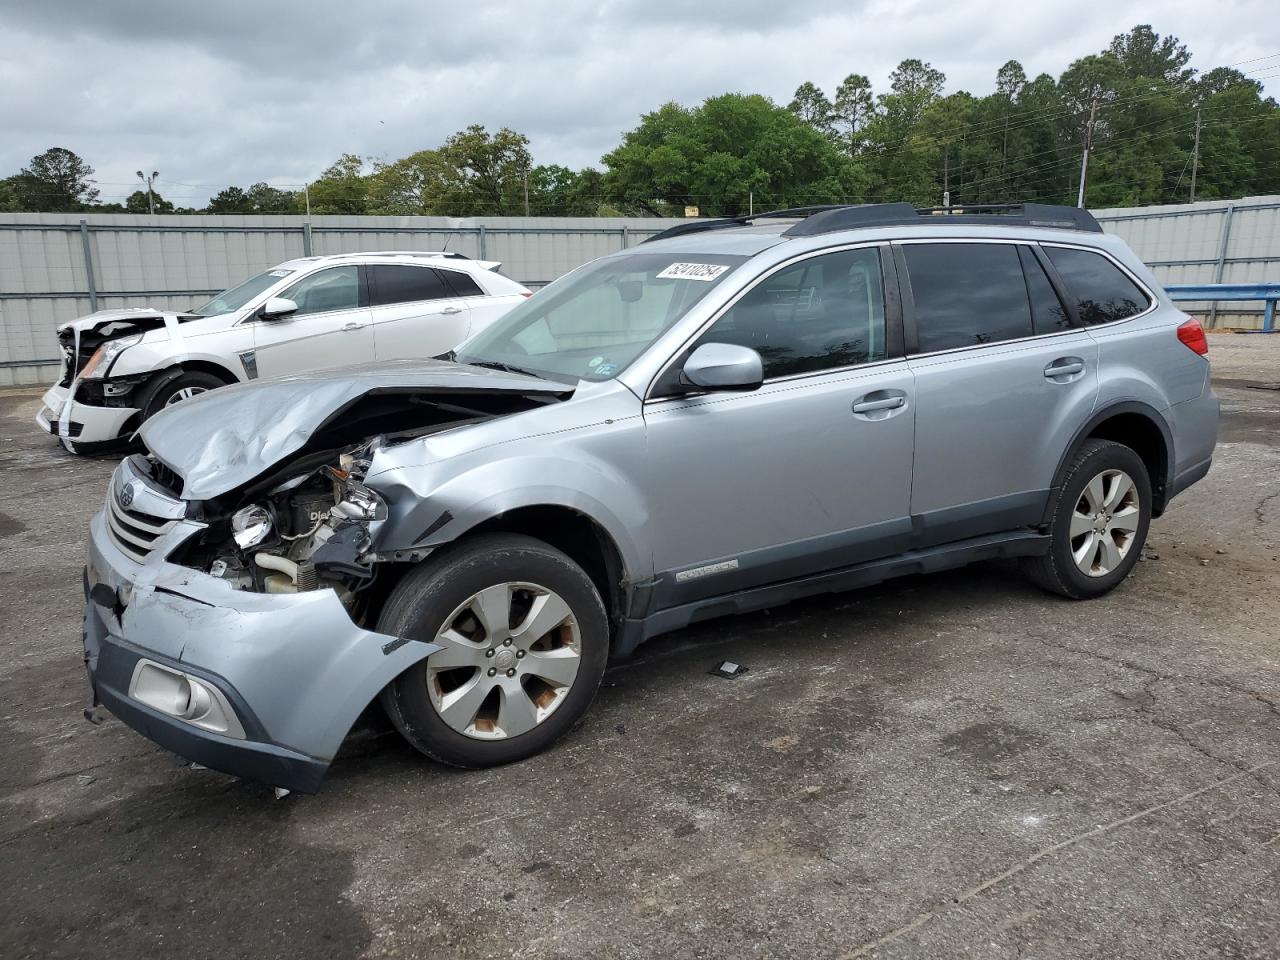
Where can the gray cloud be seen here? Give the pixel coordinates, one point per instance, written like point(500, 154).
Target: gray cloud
point(236, 91)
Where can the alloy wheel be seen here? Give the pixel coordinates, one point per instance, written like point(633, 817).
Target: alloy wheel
point(1104, 523)
point(511, 654)
point(186, 393)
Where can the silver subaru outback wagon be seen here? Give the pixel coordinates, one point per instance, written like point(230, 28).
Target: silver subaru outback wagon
point(732, 415)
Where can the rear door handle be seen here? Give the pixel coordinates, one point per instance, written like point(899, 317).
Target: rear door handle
point(1064, 367)
point(870, 406)
point(451, 310)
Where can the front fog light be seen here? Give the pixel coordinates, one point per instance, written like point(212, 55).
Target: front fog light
point(250, 526)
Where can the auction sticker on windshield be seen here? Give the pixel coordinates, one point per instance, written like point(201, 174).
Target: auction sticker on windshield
point(692, 271)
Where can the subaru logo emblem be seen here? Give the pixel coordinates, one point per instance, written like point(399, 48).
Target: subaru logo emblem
point(126, 495)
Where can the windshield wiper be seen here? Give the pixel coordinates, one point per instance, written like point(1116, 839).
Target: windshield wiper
point(505, 367)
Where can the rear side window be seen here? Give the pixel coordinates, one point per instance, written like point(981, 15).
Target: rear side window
point(967, 294)
point(1101, 290)
point(1047, 312)
point(401, 283)
point(819, 314)
point(461, 284)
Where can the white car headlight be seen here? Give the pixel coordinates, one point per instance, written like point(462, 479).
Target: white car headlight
point(106, 354)
point(250, 526)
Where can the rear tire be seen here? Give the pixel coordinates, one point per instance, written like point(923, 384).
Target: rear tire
point(1100, 521)
point(496, 693)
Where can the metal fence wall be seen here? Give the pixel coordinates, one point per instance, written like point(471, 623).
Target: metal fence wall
point(55, 267)
point(1215, 241)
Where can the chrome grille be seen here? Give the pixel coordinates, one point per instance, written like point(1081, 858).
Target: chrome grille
point(134, 533)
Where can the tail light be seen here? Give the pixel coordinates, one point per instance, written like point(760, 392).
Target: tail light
point(527, 294)
point(1192, 335)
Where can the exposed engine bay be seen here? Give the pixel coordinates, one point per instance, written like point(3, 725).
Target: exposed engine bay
point(311, 522)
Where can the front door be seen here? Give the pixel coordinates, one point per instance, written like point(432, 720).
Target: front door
point(1003, 380)
point(330, 328)
point(810, 472)
point(415, 313)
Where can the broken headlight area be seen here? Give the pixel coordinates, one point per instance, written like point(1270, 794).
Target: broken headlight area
point(311, 531)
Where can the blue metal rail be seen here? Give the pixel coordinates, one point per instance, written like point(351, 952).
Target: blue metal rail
point(1268, 293)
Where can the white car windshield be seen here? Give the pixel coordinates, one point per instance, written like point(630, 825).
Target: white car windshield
point(233, 299)
point(592, 323)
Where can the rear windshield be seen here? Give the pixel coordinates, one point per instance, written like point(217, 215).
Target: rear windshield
point(592, 323)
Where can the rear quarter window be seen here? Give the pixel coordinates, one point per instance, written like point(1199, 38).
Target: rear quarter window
point(1102, 291)
point(460, 283)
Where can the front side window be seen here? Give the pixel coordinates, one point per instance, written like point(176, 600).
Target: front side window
point(337, 288)
point(591, 324)
point(967, 294)
point(1101, 290)
point(402, 283)
point(819, 314)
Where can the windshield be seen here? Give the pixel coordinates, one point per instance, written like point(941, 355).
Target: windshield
point(235, 298)
point(592, 323)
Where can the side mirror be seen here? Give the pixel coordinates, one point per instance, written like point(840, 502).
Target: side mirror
point(724, 366)
point(277, 307)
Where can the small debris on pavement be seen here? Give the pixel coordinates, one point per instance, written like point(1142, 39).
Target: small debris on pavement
point(86, 779)
point(728, 669)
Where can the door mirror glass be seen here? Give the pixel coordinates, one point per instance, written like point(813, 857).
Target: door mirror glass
point(724, 366)
point(277, 307)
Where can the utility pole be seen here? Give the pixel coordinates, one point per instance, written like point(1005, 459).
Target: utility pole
point(526, 191)
point(306, 193)
point(1084, 158)
point(751, 203)
point(1195, 157)
point(151, 199)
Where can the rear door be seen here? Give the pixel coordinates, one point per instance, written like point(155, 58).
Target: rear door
point(484, 307)
point(810, 472)
point(416, 313)
point(330, 328)
point(1003, 380)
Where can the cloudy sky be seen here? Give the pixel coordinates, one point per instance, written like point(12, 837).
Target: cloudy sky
point(232, 91)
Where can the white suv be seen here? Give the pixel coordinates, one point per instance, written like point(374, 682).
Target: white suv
point(121, 366)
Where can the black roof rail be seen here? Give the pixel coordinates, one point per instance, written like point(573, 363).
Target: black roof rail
point(697, 226)
point(829, 218)
point(904, 214)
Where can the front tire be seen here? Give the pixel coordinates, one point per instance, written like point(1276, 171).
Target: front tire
point(525, 640)
point(162, 393)
point(1100, 522)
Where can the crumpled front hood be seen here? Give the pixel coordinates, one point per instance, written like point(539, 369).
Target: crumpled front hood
point(222, 439)
point(93, 321)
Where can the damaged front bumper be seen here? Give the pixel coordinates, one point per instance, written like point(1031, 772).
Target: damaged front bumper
point(82, 427)
point(261, 686)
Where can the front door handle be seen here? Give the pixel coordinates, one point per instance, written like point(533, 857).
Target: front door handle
point(1064, 367)
point(353, 325)
point(870, 406)
point(451, 310)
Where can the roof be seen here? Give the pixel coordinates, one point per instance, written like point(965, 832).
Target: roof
point(455, 259)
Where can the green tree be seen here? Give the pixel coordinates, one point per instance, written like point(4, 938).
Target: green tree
point(716, 155)
point(341, 188)
point(852, 110)
point(54, 181)
point(811, 105)
point(137, 202)
point(489, 171)
point(229, 200)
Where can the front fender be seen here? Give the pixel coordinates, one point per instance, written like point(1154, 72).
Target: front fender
point(427, 511)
